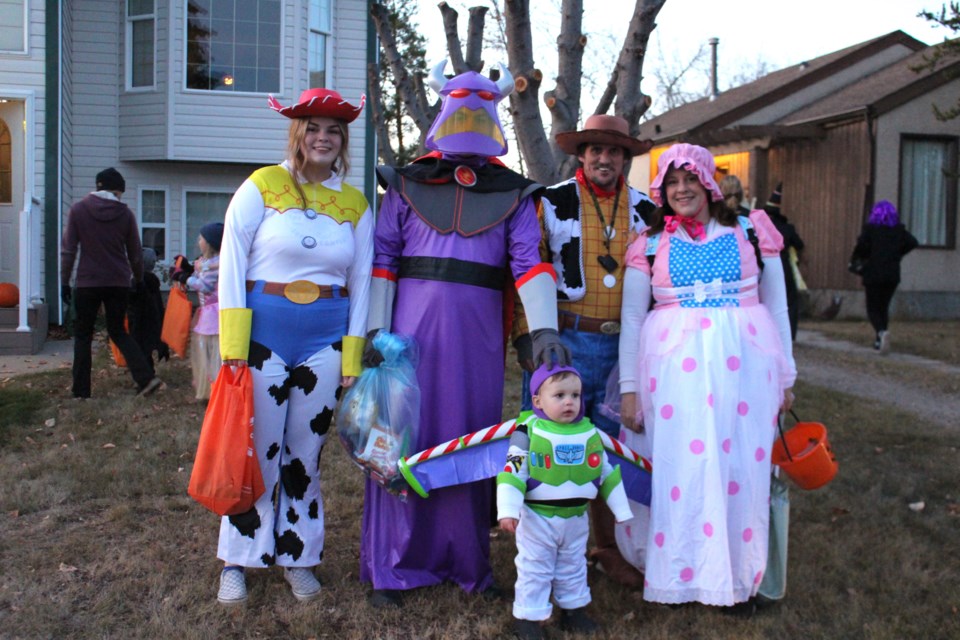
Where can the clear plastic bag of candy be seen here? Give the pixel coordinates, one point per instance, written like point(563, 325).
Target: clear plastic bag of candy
point(378, 417)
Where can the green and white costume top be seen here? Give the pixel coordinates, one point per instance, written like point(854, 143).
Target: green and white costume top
point(556, 469)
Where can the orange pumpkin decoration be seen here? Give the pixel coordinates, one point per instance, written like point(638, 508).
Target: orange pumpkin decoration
point(9, 295)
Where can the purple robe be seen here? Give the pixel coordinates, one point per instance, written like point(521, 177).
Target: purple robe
point(459, 330)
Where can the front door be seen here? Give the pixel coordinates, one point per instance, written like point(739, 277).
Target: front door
point(11, 186)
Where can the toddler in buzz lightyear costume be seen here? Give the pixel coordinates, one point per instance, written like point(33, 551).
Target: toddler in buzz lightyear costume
point(555, 465)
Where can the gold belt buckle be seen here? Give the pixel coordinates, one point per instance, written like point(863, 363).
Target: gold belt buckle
point(610, 327)
point(301, 291)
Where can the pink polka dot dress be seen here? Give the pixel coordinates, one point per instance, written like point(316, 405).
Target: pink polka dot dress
point(710, 372)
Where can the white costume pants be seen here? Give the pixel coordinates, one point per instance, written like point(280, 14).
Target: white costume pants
point(551, 554)
point(293, 407)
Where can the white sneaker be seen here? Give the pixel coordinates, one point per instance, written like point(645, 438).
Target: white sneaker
point(884, 341)
point(233, 586)
point(303, 583)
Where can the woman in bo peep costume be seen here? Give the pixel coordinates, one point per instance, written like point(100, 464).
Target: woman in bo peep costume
point(295, 270)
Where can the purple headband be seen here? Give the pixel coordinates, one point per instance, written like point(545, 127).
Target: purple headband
point(539, 377)
point(884, 214)
point(692, 158)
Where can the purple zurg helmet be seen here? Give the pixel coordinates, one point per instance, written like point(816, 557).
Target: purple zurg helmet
point(468, 123)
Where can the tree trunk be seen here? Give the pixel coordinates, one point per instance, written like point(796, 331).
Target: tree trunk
point(524, 101)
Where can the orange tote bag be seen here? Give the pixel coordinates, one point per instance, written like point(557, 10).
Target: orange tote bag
point(176, 322)
point(115, 350)
point(226, 474)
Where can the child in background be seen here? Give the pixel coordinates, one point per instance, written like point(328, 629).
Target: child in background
point(145, 311)
point(202, 277)
point(555, 465)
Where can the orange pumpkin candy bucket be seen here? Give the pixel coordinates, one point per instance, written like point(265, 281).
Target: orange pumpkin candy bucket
point(804, 454)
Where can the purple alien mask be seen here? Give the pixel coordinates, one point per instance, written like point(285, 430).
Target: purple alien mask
point(468, 123)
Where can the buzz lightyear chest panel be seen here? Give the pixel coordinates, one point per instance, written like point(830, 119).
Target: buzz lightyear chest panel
point(558, 458)
point(449, 207)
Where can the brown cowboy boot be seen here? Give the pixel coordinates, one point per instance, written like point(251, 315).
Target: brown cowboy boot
point(606, 553)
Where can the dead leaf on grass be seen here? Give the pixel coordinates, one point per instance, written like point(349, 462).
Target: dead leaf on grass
point(50, 422)
point(953, 508)
point(72, 438)
point(99, 422)
point(878, 450)
point(14, 514)
point(67, 568)
point(31, 440)
point(109, 445)
point(917, 506)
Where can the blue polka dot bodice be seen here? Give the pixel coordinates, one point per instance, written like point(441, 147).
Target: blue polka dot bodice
point(706, 262)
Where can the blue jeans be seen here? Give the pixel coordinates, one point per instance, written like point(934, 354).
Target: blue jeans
point(594, 356)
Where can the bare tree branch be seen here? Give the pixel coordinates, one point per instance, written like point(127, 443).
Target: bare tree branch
point(631, 102)
point(376, 110)
point(450, 17)
point(409, 87)
point(475, 24)
point(564, 101)
point(524, 102)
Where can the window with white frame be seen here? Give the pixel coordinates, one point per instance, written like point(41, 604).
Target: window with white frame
point(928, 188)
point(202, 207)
point(320, 29)
point(13, 26)
point(141, 49)
point(233, 45)
point(153, 221)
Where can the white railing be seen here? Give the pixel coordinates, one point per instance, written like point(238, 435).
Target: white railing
point(31, 219)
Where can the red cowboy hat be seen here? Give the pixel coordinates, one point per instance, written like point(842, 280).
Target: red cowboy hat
point(319, 102)
point(603, 129)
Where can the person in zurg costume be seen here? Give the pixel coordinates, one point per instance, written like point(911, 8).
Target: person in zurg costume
point(454, 229)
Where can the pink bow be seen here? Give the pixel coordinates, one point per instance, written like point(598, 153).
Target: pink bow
point(694, 227)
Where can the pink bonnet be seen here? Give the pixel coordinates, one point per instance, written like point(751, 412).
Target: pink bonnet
point(692, 158)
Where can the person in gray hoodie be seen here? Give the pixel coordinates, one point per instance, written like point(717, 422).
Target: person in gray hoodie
point(104, 230)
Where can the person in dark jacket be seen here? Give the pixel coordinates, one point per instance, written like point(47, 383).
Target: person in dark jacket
point(146, 311)
point(882, 244)
point(791, 240)
point(105, 232)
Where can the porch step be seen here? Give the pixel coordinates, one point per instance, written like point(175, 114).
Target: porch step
point(13, 342)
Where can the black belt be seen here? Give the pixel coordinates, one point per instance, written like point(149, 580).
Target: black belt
point(453, 270)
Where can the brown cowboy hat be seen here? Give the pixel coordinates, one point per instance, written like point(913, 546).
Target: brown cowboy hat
point(603, 129)
point(319, 102)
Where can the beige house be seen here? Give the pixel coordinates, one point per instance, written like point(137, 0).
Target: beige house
point(172, 93)
point(841, 132)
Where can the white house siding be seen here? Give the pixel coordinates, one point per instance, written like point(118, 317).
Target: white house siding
point(96, 68)
point(67, 181)
point(916, 117)
point(218, 126)
point(176, 140)
point(23, 74)
point(144, 111)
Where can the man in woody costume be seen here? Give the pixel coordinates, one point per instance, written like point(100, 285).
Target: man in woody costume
point(586, 223)
point(454, 228)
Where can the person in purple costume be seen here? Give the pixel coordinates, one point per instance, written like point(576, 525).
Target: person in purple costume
point(454, 229)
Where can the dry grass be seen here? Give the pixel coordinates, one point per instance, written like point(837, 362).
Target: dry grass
point(103, 542)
